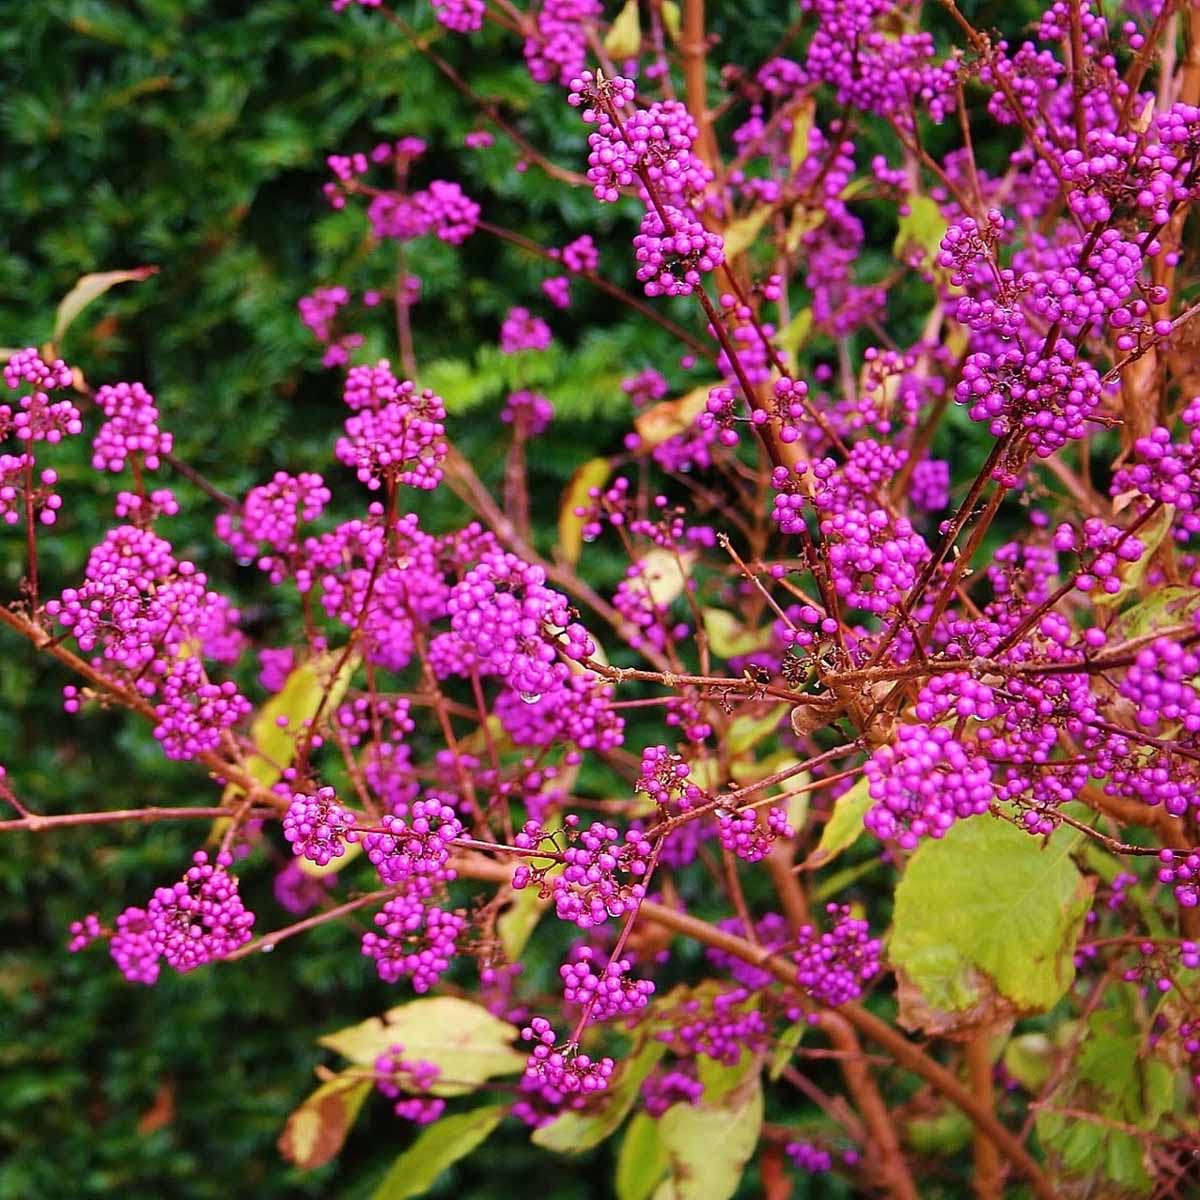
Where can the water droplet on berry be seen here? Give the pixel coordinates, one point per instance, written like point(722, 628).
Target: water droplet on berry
point(531, 697)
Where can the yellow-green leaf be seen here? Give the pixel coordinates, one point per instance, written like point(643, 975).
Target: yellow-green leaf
point(1029, 1059)
point(670, 18)
point(642, 1161)
point(795, 333)
point(465, 1041)
point(745, 732)
point(729, 638)
point(89, 288)
point(298, 700)
point(624, 37)
point(575, 1132)
point(1151, 535)
point(593, 474)
point(844, 826)
point(439, 1147)
point(985, 925)
point(516, 924)
point(709, 1145)
point(804, 220)
point(802, 123)
point(316, 1131)
point(741, 234)
point(923, 226)
point(791, 1037)
point(663, 574)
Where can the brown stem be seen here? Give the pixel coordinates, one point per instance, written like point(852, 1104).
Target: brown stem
point(33, 823)
point(271, 940)
point(867, 1024)
point(891, 1169)
point(988, 1182)
point(693, 50)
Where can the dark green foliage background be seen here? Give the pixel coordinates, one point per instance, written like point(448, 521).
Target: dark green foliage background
point(191, 135)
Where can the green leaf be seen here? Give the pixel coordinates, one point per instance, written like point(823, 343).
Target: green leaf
point(740, 235)
point(624, 37)
point(795, 333)
point(642, 1161)
point(745, 732)
point(316, 1131)
point(791, 1037)
point(575, 1132)
point(844, 827)
point(89, 288)
point(1029, 1059)
point(516, 924)
point(1114, 1077)
point(709, 1145)
point(439, 1147)
point(1124, 1162)
point(924, 226)
point(942, 1133)
point(722, 1079)
point(462, 1039)
point(459, 384)
point(985, 925)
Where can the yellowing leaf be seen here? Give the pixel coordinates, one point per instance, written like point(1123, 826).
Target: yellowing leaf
point(316, 871)
point(663, 574)
point(844, 827)
point(668, 418)
point(463, 1039)
point(439, 1147)
point(89, 288)
point(728, 638)
point(1151, 535)
point(804, 220)
point(316, 1131)
point(741, 234)
point(593, 474)
point(1164, 607)
point(670, 19)
point(624, 37)
point(985, 925)
point(709, 1145)
point(802, 123)
point(298, 700)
